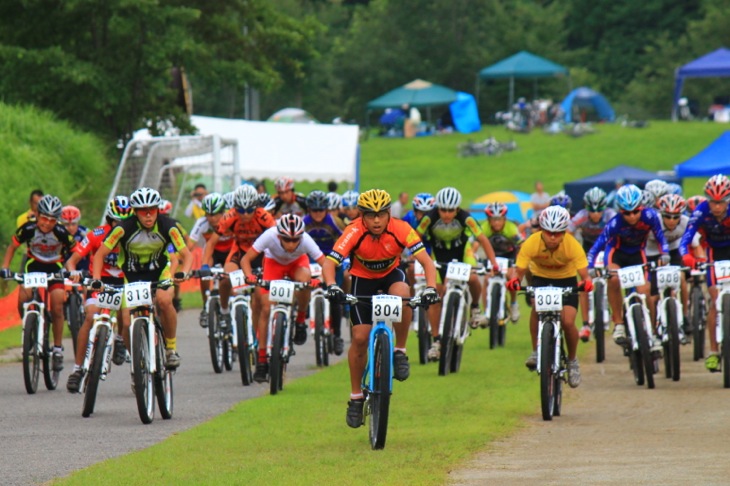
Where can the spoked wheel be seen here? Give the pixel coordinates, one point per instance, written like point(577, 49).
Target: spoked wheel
point(31, 357)
point(215, 339)
point(698, 325)
point(50, 377)
point(163, 378)
point(458, 350)
point(599, 327)
point(558, 394)
point(144, 388)
point(447, 339)
point(276, 366)
point(673, 344)
point(494, 326)
point(75, 316)
point(96, 365)
point(246, 355)
point(424, 335)
point(227, 348)
point(725, 350)
point(379, 399)
point(646, 358)
point(320, 340)
point(547, 373)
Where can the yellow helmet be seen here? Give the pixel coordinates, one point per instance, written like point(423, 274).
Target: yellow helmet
point(373, 201)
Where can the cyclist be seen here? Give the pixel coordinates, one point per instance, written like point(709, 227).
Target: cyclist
point(213, 206)
point(374, 244)
point(143, 256)
point(446, 228)
point(287, 250)
point(693, 202)
point(589, 222)
point(506, 239)
point(657, 188)
point(710, 219)
point(674, 188)
point(349, 206)
point(423, 202)
point(287, 201)
point(561, 199)
point(70, 217)
point(554, 258)
point(47, 242)
point(165, 207)
point(117, 211)
point(623, 241)
point(323, 229)
point(334, 207)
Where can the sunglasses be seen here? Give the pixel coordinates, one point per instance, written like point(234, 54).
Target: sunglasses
point(146, 211)
point(47, 219)
point(198, 194)
point(245, 210)
point(289, 240)
point(670, 216)
point(318, 210)
point(447, 210)
point(596, 210)
point(626, 213)
point(554, 234)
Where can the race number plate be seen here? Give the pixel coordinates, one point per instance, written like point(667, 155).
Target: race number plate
point(632, 276)
point(418, 269)
point(503, 264)
point(668, 277)
point(35, 280)
point(387, 308)
point(600, 262)
point(281, 291)
point(458, 271)
point(548, 299)
point(109, 300)
point(315, 269)
point(722, 271)
point(138, 294)
point(237, 279)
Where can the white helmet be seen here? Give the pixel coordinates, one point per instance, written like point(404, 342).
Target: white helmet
point(657, 188)
point(145, 197)
point(349, 199)
point(335, 201)
point(230, 199)
point(554, 219)
point(290, 226)
point(50, 206)
point(448, 198)
point(246, 197)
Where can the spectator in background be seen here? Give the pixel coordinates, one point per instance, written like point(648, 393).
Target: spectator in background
point(30, 215)
point(261, 188)
point(398, 207)
point(539, 199)
point(331, 186)
point(194, 209)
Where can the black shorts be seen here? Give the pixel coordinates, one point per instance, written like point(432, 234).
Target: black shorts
point(674, 259)
point(622, 259)
point(161, 274)
point(237, 256)
point(362, 312)
point(36, 266)
point(219, 257)
point(713, 255)
point(569, 300)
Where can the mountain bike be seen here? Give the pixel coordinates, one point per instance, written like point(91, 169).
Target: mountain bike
point(420, 321)
point(552, 358)
point(598, 309)
point(220, 334)
point(36, 323)
point(320, 320)
point(697, 313)
point(670, 317)
point(73, 309)
point(243, 326)
point(722, 304)
point(377, 379)
point(496, 308)
point(149, 372)
point(97, 362)
point(453, 327)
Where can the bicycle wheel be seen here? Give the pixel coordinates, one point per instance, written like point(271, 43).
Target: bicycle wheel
point(97, 362)
point(50, 377)
point(698, 327)
point(558, 390)
point(163, 378)
point(494, 326)
point(227, 347)
point(31, 359)
point(447, 337)
point(276, 365)
point(75, 316)
point(725, 351)
point(599, 327)
point(458, 350)
point(379, 397)
point(215, 338)
point(424, 335)
point(673, 344)
point(141, 374)
point(246, 354)
point(547, 373)
point(320, 340)
point(644, 350)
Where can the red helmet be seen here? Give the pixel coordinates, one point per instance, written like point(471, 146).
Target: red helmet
point(290, 226)
point(695, 201)
point(495, 210)
point(165, 206)
point(672, 204)
point(283, 184)
point(70, 214)
point(717, 188)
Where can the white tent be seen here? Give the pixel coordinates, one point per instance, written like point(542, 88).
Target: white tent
point(313, 152)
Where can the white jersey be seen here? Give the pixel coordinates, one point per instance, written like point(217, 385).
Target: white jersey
point(202, 229)
point(270, 245)
point(673, 237)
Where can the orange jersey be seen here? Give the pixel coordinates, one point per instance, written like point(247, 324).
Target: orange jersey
point(245, 234)
point(375, 256)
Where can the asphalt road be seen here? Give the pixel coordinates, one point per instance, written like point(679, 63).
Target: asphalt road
point(43, 436)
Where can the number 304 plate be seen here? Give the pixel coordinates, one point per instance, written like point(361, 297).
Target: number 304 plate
point(387, 308)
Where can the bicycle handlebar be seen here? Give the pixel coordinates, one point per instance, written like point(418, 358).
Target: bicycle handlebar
point(412, 302)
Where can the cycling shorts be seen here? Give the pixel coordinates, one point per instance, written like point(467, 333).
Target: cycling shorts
point(569, 300)
point(713, 255)
point(274, 270)
point(220, 257)
point(674, 259)
point(116, 281)
point(235, 257)
point(362, 312)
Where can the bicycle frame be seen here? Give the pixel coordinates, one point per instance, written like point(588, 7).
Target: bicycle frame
point(667, 297)
point(36, 305)
point(723, 289)
point(459, 287)
point(102, 319)
point(501, 280)
point(418, 286)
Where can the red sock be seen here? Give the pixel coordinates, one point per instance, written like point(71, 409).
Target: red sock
point(262, 356)
point(301, 317)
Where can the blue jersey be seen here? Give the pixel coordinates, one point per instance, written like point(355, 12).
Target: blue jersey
point(716, 233)
point(325, 234)
point(619, 235)
point(410, 218)
point(79, 236)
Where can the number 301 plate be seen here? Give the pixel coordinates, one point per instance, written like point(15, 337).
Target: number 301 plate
point(548, 299)
point(387, 308)
point(281, 291)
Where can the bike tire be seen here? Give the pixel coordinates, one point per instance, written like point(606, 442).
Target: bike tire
point(320, 341)
point(494, 326)
point(214, 338)
point(645, 351)
point(50, 377)
point(458, 350)
point(163, 379)
point(558, 394)
point(97, 363)
point(698, 335)
point(227, 349)
point(144, 387)
point(424, 335)
point(379, 397)
point(276, 365)
point(673, 347)
point(599, 327)
point(725, 350)
point(31, 359)
point(246, 354)
point(547, 374)
point(447, 338)
point(75, 316)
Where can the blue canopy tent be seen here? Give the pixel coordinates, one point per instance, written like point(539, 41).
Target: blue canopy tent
point(464, 113)
point(607, 181)
point(713, 65)
point(714, 159)
point(587, 98)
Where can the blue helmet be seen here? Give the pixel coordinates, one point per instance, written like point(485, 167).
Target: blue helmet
point(423, 201)
point(628, 197)
point(349, 199)
point(674, 188)
point(562, 200)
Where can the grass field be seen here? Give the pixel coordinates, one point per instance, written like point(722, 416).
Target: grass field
point(437, 423)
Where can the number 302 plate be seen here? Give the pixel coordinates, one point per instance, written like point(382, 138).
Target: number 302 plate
point(548, 299)
point(387, 308)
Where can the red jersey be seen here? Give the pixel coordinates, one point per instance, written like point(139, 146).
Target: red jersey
point(91, 243)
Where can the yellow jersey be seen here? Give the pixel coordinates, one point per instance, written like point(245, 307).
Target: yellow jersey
point(563, 262)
